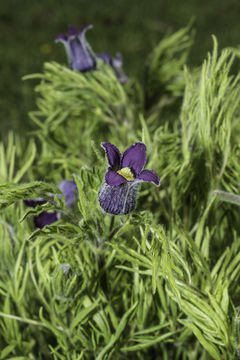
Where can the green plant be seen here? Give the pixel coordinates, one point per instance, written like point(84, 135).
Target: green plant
point(160, 283)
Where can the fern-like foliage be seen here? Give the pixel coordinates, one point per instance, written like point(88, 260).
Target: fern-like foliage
point(160, 283)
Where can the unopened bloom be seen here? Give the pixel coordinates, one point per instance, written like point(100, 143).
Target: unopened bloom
point(81, 56)
point(118, 193)
point(69, 190)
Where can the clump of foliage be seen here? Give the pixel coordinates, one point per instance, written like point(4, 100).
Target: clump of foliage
point(160, 283)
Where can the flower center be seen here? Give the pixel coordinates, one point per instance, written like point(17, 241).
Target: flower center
point(126, 173)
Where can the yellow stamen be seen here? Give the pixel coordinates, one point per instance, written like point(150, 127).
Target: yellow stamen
point(126, 173)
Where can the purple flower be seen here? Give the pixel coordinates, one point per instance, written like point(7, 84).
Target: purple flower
point(69, 190)
point(81, 57)
point(118, 193)
point(46, 218)
point(116, 64)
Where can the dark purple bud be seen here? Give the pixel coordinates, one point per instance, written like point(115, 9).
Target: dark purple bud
point(80, 55)
point(34, 202)
point(45, 218)
point(118, 200)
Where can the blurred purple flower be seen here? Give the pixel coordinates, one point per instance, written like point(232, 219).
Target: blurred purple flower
point(82, 58)
point(69, 190)
point(118, 193)
point(80, 55)
point(116, 63)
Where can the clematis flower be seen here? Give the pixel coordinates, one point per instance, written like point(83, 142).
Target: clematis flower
point(82, 58)
point(118, 193)
point(69, 190)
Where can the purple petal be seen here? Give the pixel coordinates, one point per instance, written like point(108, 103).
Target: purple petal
point(61, 38)
point(45, 218)
point(149, 176)
point(134, 157)
point(69, 190)
point(85, 28)
point(34, 202)
point(72, 30)
point(82, 57)
point(113, 155)
point(114, 179)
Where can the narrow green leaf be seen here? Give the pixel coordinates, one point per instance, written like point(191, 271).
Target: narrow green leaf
point(83, 314)
point(146, 343)
point(115, 337)
point(210, 348)
point(29, 158)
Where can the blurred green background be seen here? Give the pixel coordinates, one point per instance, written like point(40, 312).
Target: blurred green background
point(132, 27)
